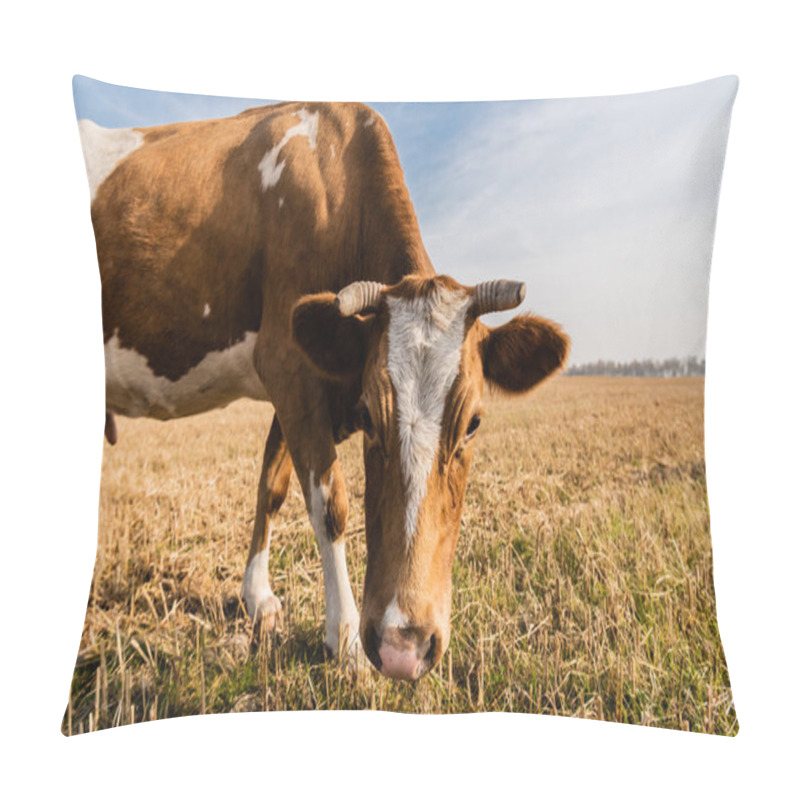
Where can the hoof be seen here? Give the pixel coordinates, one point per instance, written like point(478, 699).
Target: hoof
point(349, 653)
point(355, 663)
point(267, 615)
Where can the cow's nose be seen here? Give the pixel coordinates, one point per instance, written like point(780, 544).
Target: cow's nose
point(407, 653)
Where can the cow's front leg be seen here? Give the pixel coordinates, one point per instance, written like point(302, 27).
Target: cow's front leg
point(261, 604)
point(301, 401)
point(326, 500)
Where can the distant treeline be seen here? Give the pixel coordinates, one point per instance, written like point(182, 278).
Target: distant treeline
point(669, 368)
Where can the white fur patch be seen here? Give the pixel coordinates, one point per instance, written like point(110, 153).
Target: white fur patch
point(340, 607)
point(255, 586)
point(425, 339)
point(393, 617)
point(271, 170)
point(104, 148)
point(220, 378)
point(206, 311)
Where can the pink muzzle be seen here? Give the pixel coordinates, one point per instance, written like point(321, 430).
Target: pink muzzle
point(402, 657)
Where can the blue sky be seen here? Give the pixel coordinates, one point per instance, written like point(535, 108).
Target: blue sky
point(604, 206)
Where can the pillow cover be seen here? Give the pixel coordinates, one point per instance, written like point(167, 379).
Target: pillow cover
point(264, 280)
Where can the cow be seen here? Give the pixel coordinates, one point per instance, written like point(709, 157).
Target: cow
point(276, 255)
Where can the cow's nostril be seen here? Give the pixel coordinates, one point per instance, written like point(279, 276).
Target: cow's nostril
point(371, 646)
point(429, 653)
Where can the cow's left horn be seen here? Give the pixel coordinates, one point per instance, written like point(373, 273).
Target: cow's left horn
point(358, 297)
point(497, 296)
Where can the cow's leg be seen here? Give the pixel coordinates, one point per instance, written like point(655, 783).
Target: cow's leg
point(302, 402)
point(326, 499)
point(260, 602)
point(309, 435)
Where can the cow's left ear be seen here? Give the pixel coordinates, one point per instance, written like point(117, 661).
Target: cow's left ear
point(335, 344)
point(523, 352)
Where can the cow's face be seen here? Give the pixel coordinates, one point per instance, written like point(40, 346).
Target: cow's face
point(422, 355)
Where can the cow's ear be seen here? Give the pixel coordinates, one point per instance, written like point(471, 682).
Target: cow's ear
point(336, 345)
point(518, 355)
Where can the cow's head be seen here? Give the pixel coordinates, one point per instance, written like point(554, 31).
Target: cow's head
point(422, 355)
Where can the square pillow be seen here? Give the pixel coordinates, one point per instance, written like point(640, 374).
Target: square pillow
point(433, 378)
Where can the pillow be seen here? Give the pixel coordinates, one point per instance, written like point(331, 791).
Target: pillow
point(504, 424)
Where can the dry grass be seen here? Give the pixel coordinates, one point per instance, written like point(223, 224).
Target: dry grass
point(582, 586)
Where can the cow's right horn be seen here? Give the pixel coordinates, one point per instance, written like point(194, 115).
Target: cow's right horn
point(358, 298)
point(497, 296)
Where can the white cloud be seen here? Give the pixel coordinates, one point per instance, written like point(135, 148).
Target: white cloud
point(605, 206)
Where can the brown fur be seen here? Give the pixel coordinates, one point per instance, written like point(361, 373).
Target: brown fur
point(276, 470)
point(183, 221)
point(337, 506)
point(515, 356)
point(414, 286)
point(110, 428)
point(523, 352)
point(334, 344)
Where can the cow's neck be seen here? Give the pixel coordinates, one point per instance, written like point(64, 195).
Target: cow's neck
point(390, 243)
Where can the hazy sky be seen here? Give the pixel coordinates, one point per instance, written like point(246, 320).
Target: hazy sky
point(604, 206)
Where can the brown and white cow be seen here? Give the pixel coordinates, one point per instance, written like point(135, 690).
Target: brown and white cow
point(276, 255)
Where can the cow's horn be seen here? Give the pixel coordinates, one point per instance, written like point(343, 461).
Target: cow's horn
point(359, 297)
point(497, 296)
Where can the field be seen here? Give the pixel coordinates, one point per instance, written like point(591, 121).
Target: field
point(582, 586)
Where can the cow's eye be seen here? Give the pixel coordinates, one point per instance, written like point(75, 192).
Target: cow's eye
point(474, 423)
point(364, 421)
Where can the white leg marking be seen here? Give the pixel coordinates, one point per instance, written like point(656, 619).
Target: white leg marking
point(425, 339)
point(256, 591)
point(340, 607)
point(104, 148)
point(269, 167)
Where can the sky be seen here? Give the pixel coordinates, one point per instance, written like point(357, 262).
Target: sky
point(605, 207)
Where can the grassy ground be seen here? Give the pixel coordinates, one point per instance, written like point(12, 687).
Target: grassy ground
point(582, 586)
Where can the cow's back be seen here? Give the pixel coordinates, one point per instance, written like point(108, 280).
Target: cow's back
point(195, 222)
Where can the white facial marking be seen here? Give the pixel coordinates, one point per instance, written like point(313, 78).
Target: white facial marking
point(206, 311)
point(425, 339)
point(220, 378)
point(255, 586)
point(340, 607)
point(104, 148)
point(269, 167)
point(393, 617)
point(333, 152)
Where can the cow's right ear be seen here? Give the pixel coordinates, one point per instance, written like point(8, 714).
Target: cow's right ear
point(336, 345)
